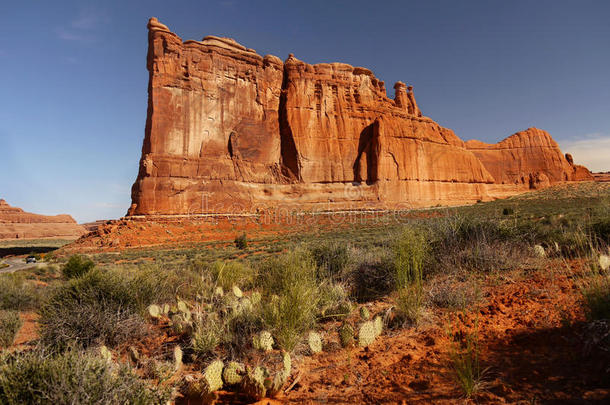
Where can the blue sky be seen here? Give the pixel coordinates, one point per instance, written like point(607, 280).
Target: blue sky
point(73, 77)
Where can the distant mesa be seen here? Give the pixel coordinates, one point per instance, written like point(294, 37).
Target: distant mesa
point(18, 224)
point(229, 130)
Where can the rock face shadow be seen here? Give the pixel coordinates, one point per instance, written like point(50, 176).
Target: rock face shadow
point(366, 164)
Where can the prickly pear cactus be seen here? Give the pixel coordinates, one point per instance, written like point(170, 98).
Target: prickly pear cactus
point(367, 334)
point(181, 325)
point(255, 298)
point(539, 251)
point(263, 341)
point(154, 311)
point(165, 309)
point(197, 386)
point(274, 385)
point(105, 353)
point(364, 313)
point(177, 358)
point(253, 383)
point(346, 335)
point(237, 292)
point(213, 375)
point(219, 292)
point(315, 342)
point(245, 304)
point(182, 307)
point(233, 373)
point(378, 325)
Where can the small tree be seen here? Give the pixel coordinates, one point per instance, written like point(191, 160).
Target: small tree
point(241, 241)
point(77, 266)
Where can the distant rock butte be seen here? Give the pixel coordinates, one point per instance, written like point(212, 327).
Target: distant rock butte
point(18, 224)
point(230, 131)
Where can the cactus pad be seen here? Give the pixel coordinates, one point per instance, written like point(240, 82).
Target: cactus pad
point(367, 334)
point(263, 341)
point(364, 313)
point(233, 372)
point(315, 342)
point(237, 292)
point(154, 311)
point(346, 335)
point(213, 375)
point(378, 325)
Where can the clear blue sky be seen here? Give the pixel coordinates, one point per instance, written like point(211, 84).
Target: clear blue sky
point(73, 77)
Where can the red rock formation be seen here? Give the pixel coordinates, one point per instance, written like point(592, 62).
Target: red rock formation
point(529, 157)
point(229, 130)
point(17, 224)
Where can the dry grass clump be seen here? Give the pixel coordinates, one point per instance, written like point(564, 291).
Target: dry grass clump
point(17, 293)
point(10, 323)
point(73, 377)
point(101, 307)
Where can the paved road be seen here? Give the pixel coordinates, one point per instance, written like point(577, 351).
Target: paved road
point(15, 264)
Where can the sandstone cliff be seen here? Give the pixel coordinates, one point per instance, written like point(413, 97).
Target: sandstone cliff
point(17, 224)
point(529, 157)
point(229, 130)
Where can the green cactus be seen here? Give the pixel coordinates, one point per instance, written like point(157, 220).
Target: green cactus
point(154, 311)
point(181, 325)
point(219, 291)
point(274, 386)
point(367, 334)
point(237, 292)
point(213, 375)
point(253, 383)
point(378, 325)
point(263, 341)
point(198, 386)
point(539, 251)
point(287, 362)
point(182, 307)
point(364, 313)
point(177, 358)
point(346, 335)
point(232, 374)
point(245, 304)
point(268, 380)
point(315, 342)
point(165, 309)
point(255, 298)
point(105, 353)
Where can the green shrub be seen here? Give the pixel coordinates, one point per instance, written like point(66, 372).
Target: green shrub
point(291, 278)
point(374, 274)
point(10, 323)
point(600, 230)
point(332, 259)
point(508, 211)
point(241, 241)
point(207, 335)
point(474, 245)
point(77, 266)
point(453, 294)
point(72, 378)
point(17, 293)
point(228, 274)
point(466, 365)
point(100, 307)
point(410, 254)
point(409, 303)
point(596, 295)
